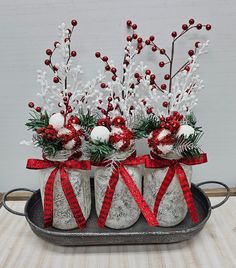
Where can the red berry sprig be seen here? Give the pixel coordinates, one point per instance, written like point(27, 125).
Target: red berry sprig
point(50, 52)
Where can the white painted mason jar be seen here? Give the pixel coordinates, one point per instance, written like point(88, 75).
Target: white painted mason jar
point(173, 208)
point(80, 180)
point(124, 212)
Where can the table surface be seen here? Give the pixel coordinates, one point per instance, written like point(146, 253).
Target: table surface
point(214, 246)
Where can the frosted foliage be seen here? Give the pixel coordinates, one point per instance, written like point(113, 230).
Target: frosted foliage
point(184, 90)
point(70, 78)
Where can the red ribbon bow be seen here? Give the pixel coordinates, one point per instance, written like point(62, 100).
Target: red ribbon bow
point(174, 167)
point(65, 184)
point(132, 187)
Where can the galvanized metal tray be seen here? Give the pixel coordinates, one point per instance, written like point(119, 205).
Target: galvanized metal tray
point(139, 233)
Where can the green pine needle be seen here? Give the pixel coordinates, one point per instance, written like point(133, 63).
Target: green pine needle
point(37, 120)
point(87, 121)
point(99, 151)
point(145, 125)
point(49, 147)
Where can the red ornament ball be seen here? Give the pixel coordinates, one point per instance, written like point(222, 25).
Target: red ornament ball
point(118, 121)
point(121, 138)
point(147, 42)
point(135, 36)
point(134, 26)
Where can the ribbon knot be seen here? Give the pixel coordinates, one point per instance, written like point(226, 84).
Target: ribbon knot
point(120, 170)
point(174, 167)
point(65, 184)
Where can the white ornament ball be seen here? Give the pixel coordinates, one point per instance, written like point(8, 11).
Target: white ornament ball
point(57, 121)
point(185, 130)
point(100, 133)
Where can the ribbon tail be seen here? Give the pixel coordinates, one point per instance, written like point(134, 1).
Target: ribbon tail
point(106, 205)
point(71, 199)
point(135, 192)
point(48, 199)
point(163, 188)
point(187, 193)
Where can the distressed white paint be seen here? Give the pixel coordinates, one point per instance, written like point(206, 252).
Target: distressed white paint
point(213, 247)
point(28, 27)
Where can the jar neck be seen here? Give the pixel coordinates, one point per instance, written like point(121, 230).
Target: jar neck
point(169, 156)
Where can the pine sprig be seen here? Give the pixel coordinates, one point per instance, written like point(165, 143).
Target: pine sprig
point(98, 151)
point(145, 125)
point(87, 121)
point(188, 147)
point(49, 147)
point(37, 120)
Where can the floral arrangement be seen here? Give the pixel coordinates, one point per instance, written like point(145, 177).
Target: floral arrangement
point(136, 105)
point(60, 123)
point(170, 104)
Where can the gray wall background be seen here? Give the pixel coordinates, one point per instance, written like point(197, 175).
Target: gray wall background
point(28, 27)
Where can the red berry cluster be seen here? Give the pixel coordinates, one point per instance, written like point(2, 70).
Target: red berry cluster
point(110, 107)
point(32, 106)
point(171, 122)
point(50, 52)
point(108, 67)
point(48, 133)
point(66, 101)
point(134, 36)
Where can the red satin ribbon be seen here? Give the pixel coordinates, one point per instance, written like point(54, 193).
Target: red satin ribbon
point(174, 167)
point(132, 187)
point(65, 184)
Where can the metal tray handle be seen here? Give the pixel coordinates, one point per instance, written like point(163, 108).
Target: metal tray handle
point(12, 191)
point(222, 184)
